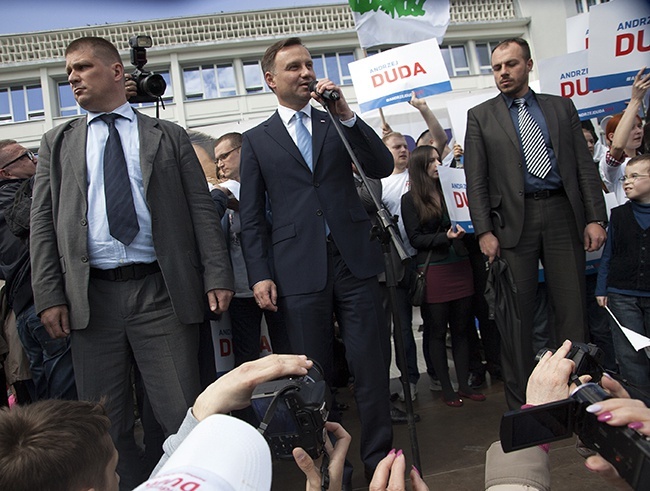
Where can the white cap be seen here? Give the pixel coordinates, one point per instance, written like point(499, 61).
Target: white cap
point(221, 453)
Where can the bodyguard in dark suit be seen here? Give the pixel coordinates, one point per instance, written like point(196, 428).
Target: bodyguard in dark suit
point(534, 194)
point(125, 297)
point(324, 261)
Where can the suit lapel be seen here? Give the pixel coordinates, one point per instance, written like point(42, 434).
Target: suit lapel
point(73, 152)
point(277, 131)
point(502, 115)
point(150, 136)
point(551, 121)
point(319, 124)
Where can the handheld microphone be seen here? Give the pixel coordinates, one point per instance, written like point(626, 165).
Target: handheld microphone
point(330, 95)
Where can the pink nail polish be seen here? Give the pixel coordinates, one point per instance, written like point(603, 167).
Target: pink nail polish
point(635, 425)
point(606, 416)
point(391, 452)
point(399, 452)
point(416, 470)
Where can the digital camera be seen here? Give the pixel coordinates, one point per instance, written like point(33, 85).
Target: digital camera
point(587, 357)
point(151, 86)
point(292, 413)
point(626, 449)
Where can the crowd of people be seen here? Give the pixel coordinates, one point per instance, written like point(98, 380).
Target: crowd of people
point(126, 236)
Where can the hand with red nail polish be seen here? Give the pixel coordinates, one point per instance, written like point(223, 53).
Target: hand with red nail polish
point(390, 474)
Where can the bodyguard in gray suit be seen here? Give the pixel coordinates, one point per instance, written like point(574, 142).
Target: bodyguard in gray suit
point(124, 269)
point(534, 194)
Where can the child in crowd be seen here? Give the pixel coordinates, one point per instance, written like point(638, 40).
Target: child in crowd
point(624, 274)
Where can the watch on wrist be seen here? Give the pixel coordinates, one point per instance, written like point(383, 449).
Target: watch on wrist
point(602, 223)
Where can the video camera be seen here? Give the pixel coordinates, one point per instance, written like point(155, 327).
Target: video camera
point(626, 449)
point(292, 413)
point(151, 86)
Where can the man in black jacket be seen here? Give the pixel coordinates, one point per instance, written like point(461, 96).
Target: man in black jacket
point(50, 360)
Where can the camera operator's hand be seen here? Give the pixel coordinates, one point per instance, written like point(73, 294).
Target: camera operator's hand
point(130, 86)
point(389, 475)
point(549, 381)
point(618, 412)
point(336, 453)
point(234, 389)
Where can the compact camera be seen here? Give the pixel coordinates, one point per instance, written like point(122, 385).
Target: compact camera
point(627, 450)
point(292, 413)
point(151, 86)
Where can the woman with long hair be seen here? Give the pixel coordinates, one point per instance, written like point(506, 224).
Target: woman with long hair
point(449, 285)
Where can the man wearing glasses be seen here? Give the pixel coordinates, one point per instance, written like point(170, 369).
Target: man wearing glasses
point(245, 314)
point(50, 361)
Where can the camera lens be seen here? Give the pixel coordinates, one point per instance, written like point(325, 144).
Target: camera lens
point(153, 85)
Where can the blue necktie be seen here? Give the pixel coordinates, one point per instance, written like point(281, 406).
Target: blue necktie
point(303, 139)
point(120, 210)
point(538, 162)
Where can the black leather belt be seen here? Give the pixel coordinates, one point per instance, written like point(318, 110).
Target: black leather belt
point(125, 273)
point(545, 193)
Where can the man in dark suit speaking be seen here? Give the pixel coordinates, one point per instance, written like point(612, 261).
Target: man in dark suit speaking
point(125, 246)
point(318, 259)
point(533, 194)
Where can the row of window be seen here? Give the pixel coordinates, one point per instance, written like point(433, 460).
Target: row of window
point(210, 81)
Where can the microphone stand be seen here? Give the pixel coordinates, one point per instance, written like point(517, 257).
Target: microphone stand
point(388, 234)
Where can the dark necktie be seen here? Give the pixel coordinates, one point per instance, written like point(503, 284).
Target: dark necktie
point(538, 162)
point(120, 210)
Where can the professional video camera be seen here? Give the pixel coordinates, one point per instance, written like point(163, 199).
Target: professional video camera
point(292, 413)
point(626, 449)
point(151, 86)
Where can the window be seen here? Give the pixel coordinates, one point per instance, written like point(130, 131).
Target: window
point(583, 6)
point(254, 78)
point(484, 56)
point(334, 66)
point(67, 104)
point(455, 57)
point(209, 82)
point(21, 103)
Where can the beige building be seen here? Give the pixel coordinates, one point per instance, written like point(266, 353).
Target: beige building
point(211, 62)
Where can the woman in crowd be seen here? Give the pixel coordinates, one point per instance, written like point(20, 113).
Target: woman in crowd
point(449, 285)
point(625, 134)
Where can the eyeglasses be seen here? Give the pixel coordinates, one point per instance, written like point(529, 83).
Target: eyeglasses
point(28, 154)
point(632, 178)
point(224, 156)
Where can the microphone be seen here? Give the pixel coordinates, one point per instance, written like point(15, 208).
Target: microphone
point(330, 95)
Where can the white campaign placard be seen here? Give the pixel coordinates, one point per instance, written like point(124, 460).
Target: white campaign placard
point(577, 33)
point(567, 76)
point(454, 190)
point(619, 44)
point(389, 77)
point(458, 108)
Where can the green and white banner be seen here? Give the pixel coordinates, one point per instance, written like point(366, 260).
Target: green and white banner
point(382, 22)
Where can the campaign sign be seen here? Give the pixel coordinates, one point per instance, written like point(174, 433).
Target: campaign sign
point(567, 76)
point(389, 77)
point(577, 33)
point(619, 45)
point(454, 190)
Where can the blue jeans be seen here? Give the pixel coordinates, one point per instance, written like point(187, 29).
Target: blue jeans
point(50, 360)
point(633, 313)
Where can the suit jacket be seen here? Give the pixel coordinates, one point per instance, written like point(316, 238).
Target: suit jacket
point(494, 167)
point(300, 201)
point(187, 237)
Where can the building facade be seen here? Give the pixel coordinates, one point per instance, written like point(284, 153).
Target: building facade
point(212, 62)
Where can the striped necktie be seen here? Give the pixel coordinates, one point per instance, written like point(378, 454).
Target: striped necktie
point(536, 156)
point(120, 209)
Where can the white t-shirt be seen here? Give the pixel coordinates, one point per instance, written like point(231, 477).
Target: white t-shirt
point(392, 189)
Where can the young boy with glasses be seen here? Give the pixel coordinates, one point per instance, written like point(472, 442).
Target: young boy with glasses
point(624, 273)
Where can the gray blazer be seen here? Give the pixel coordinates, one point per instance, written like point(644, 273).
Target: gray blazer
point(494, 167)
point(188, 240)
